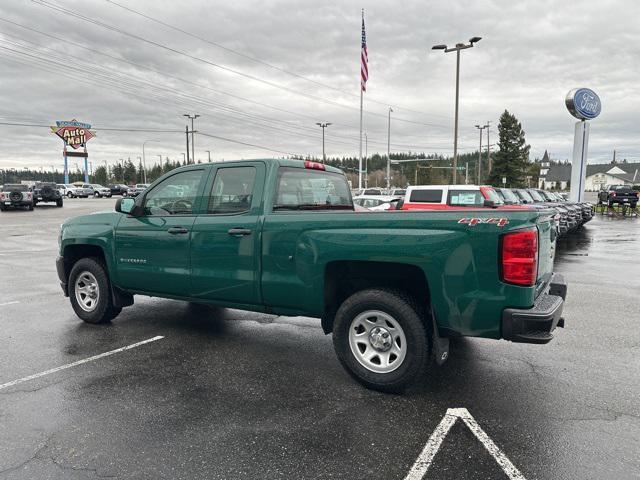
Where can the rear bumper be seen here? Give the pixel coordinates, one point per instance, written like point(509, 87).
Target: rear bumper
point(536, 324)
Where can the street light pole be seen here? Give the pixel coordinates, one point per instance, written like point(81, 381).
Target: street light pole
point(457, 48)
point(323, 126)
point(389, 150)
point(208, 155)
point(193, 150)
point(480, 128)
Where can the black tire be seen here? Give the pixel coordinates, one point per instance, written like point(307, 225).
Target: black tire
point(96, 195)
point(2, 208)
point(30, 207)
point(405, 311)
point(633, 205)
point(104, 310)
point(59, 202)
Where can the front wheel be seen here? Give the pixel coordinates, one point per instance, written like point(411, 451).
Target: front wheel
point(90, 291)
point(59, 202)
point(381, 339)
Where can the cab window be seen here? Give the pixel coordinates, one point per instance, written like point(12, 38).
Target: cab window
point(465, 198)
point(232, 190)
point(426, 196)
point(306, 189)
point(175, 195)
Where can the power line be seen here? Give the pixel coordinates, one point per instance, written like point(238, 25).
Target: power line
point(254, 59)
point(93, 21)
point(121, 81)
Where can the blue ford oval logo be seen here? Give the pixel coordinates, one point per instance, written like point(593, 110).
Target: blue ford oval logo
point(583, 103)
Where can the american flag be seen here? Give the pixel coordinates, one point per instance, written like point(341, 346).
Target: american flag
point(364, 60)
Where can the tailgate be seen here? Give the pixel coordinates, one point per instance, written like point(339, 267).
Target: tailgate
point(546, 249)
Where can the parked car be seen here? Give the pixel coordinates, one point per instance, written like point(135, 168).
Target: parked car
point(620, 194)
point(392, 288)
point(397, 192)
point(15, 196)
point(72, 191)
point(118, 189)
point(437, 197)
point(376, 202)
point(136, 189)
point(47, 192)
point(99, 191)
point(373, 191)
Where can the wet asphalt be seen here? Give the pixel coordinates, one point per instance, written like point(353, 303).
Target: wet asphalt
point(234, 395)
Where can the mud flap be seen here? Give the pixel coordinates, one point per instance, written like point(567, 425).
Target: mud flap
point(440, 344)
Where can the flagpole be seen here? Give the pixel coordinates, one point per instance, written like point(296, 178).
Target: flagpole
point(360, 164)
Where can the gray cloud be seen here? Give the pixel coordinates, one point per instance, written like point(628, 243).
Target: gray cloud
point(531, 54)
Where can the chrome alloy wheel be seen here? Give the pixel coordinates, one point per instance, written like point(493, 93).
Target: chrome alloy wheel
point(377, 341)
point(87, 291)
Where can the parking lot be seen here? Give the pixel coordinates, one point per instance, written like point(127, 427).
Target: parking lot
point(225, 394)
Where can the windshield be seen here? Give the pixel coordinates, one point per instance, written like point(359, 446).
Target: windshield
point(524, 195)
point(509, 196)
point(536, 196)
point(492, 195)
point(95, 185)
point(307, 189)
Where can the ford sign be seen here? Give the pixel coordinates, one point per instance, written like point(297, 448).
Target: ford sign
point(583, 103)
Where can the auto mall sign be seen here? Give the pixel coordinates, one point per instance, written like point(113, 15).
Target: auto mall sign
point(583, 103)
point(74, 134)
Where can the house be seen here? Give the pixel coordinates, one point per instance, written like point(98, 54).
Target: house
point(556, 176)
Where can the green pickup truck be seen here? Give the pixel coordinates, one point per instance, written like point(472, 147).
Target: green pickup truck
point(283, 237)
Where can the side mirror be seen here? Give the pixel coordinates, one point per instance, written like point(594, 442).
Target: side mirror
point(125, 205)
point(489, 203)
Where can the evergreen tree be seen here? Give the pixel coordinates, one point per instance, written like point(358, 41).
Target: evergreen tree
point(512, 159)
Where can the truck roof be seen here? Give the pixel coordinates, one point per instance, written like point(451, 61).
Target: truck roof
point(282, 162)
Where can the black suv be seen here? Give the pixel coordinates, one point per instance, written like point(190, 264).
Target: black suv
point(47, 192)
point(118, 189)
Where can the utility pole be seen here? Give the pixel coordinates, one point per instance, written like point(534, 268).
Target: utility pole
point(323, 126)
point(186, 131)
point(479, 172)
point(183, 156)
point(208, 155)
point(193, 150)
point(389, 150)
point(457, 48)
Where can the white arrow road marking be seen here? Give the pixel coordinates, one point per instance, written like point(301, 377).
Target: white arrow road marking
point(79, 362)
point(425, 458)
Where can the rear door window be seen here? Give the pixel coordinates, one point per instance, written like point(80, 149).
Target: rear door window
point(465, 198)
point(232, 191)
point(426, 196)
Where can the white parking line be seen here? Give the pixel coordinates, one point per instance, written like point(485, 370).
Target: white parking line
point(425, 458)
point(79, 362)
point(9, 303)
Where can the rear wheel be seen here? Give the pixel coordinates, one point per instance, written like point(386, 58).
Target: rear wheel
point(59, 202)
point(90, 291)
point(30, 207)
point(381, 339)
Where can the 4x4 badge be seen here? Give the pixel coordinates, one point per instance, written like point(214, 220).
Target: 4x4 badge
point(500, 222)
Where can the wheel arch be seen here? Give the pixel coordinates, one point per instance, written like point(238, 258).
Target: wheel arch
point(344, 278)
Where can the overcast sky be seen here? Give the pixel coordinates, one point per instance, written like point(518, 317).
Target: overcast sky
point(263, 73)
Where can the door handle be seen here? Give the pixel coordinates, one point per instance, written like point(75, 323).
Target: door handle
point(177, 230)
point(239, 232)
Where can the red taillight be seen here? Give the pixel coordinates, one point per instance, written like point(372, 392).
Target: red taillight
point(520, 257)
point(613, 194)
point(313, 165)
